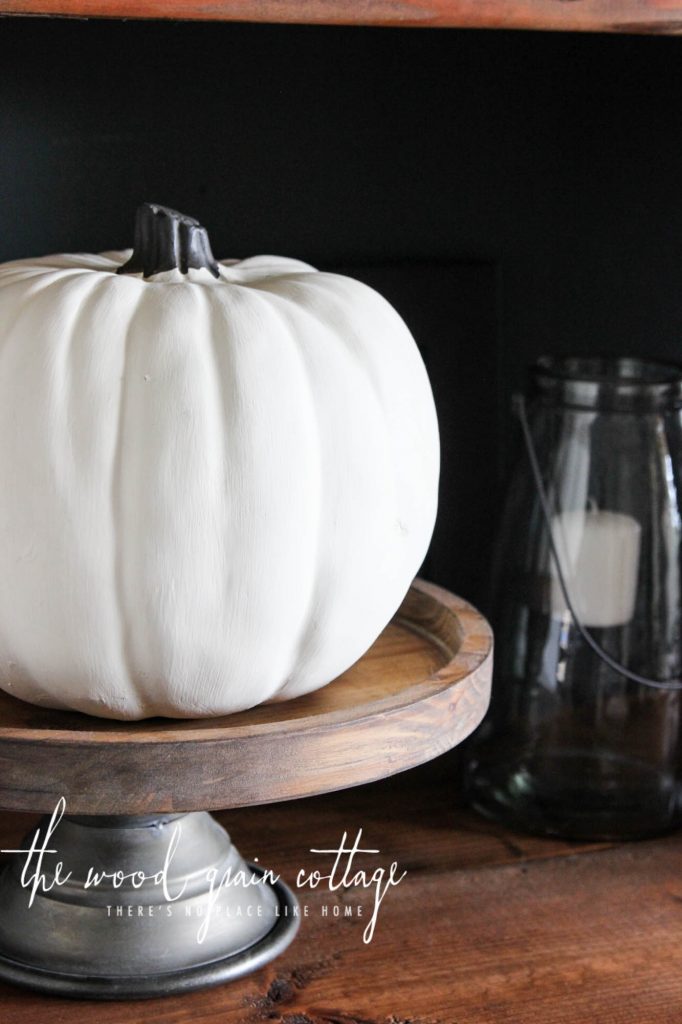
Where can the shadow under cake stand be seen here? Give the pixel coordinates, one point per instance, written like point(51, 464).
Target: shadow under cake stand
point(137, 797)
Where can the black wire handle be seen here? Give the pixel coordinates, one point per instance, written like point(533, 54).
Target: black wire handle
point(519, 405)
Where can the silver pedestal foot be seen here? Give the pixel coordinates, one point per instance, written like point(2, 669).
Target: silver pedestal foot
point(153, 906)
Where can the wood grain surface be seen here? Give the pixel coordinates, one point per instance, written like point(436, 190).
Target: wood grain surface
point(488, 927)
point(420, 690)
point(658, 16)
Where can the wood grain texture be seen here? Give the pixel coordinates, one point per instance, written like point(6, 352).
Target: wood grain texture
point(488, 927)
point(656, 16)
point(420, 690)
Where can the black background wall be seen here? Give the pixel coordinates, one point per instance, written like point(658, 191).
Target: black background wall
point(553, 163)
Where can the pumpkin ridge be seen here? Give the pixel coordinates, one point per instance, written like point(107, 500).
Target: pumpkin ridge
point(227, 341)
point(219, 404)
point(126, 649)
point(308, 624)
point(82, 327)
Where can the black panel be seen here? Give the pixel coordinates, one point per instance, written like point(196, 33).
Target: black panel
point(558, 157)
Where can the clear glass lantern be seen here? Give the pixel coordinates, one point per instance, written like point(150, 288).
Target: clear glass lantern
point(583, 736)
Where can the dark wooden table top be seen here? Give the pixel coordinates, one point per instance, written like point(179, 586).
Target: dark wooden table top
point(488, 926)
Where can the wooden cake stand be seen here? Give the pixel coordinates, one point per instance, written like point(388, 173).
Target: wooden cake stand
point(158, 899)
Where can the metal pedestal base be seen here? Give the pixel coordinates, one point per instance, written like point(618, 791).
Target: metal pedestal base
point(153, 906)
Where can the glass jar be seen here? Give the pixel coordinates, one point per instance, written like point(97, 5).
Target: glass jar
point(571, 746)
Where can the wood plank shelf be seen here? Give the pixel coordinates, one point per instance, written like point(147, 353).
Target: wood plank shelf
point(627, 16)
point(488, 927)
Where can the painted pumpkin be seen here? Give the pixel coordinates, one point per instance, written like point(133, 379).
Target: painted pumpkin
point(217, 480)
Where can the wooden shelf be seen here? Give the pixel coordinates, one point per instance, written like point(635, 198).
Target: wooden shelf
point(488, 927)
point(636, 16)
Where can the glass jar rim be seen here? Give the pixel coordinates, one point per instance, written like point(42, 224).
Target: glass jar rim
point(616, 383)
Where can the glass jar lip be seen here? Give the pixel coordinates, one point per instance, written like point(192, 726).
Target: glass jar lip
point(618, 383)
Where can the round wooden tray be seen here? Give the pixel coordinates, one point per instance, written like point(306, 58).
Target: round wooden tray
point(421, 688)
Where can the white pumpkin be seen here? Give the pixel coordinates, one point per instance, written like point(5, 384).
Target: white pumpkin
point(214, 490)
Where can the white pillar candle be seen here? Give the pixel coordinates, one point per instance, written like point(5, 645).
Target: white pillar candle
point(599, 555)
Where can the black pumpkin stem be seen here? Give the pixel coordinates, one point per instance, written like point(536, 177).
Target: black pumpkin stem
point(167, 240)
